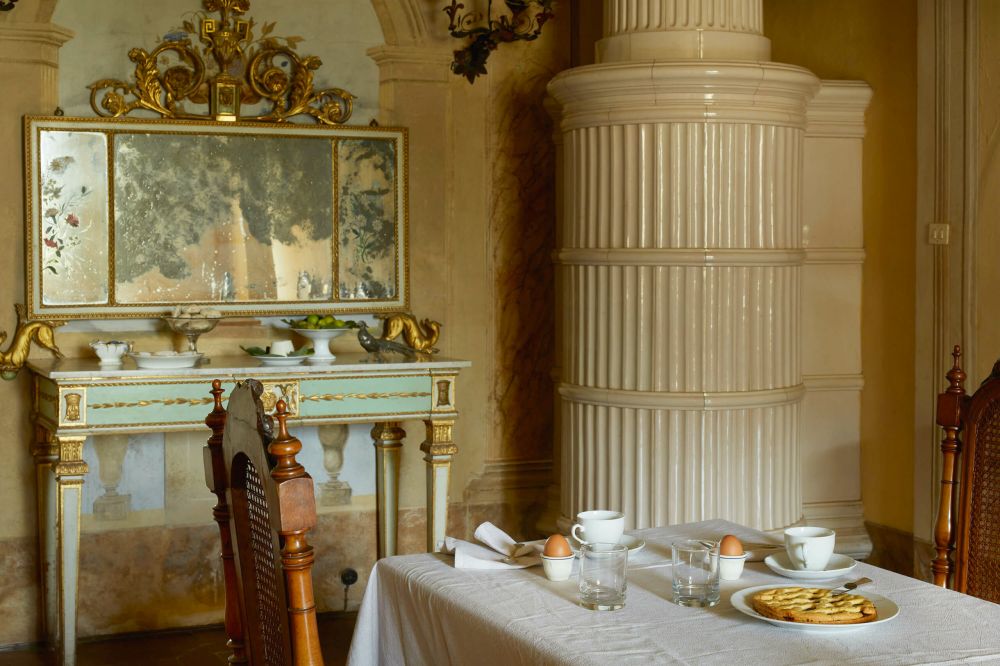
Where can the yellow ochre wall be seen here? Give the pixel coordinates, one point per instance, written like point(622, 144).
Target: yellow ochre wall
point(874, 42)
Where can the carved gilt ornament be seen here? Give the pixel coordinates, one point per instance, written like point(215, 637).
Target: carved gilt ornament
point(234, 66)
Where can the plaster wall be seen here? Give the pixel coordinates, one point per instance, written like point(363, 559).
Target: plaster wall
point(481, 226)
point(847, 39)
point(987, 274)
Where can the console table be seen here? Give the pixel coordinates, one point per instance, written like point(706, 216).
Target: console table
point(77, 398)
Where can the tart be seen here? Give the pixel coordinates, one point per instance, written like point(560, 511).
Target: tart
point(813, 605)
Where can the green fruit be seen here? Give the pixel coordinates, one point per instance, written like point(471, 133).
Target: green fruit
point(313, 319)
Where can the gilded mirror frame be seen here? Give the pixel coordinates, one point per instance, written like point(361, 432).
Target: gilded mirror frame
point(365, 275)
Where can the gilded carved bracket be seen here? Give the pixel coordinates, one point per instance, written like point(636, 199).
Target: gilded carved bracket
point(236, 65)
point(16, 355)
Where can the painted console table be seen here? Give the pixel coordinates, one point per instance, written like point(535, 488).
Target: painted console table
point(77, 398)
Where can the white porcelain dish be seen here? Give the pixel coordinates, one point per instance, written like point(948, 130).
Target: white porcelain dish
point(634, 544)
point(280, 361)
point(885, 607)
point(110, 351)
point(165, 360)
point(839, 565)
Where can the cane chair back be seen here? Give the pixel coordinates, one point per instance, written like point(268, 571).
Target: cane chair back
point(967, 534)
point(270, 504)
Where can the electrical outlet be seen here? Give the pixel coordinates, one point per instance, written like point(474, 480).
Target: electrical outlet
point(938, 234)
point(348, 577)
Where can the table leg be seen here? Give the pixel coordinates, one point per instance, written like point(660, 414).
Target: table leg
point(46, 455)
point(388, 439)
point(68, 473)
point(438, 451)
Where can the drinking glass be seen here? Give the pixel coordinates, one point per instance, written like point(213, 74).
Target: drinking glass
point(602, 575)
point(696, 572)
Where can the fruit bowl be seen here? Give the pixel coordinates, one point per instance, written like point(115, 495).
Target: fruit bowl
point(320, 338)
point(192, 328)
point(320, 330)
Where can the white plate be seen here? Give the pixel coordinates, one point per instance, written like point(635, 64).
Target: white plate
point(634, 544)
point(166, 361)
point(839, 565)
point(280, 361)
point(886, 609)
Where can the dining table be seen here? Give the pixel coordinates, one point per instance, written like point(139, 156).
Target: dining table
point(420, 609)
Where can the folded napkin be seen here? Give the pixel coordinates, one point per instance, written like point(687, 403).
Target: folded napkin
point(500, 551)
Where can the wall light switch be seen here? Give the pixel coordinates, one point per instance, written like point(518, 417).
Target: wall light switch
point(938, 234)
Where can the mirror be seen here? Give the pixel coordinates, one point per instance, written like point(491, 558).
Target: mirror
point(129, 218)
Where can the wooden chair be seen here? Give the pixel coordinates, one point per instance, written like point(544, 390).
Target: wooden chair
point(968, 523)
point(265, 508)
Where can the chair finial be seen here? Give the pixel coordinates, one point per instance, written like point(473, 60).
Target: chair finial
point(216, 419)
point(281, 414)
point(956, 376)
point(217, 393)
point(284, 447)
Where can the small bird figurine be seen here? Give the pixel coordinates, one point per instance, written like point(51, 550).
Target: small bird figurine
point(374, 345)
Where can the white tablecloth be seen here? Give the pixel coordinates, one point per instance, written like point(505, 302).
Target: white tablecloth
point(419, 609)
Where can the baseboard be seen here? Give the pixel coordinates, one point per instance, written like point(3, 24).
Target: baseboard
point(924, 553)
point(508, 481)
point(893, 548)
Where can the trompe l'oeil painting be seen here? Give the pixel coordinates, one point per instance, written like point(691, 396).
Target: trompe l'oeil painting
point(131, 218)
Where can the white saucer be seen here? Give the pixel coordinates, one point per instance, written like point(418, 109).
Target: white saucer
point(886, 608)
point(634, 544)
point(280, 361)
point(839, 565)
point(165, 360)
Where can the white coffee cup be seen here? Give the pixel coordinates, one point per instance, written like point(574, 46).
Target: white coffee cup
point(809, 548)
point(599, 526)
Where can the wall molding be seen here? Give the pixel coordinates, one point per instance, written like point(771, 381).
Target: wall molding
point(698, 401)
point(412, 63)
point(508, 480)
point(32, 43)
point(833, 382)
point(838, 110)
point(834, 255)
point(678, 257)
point(947, 192)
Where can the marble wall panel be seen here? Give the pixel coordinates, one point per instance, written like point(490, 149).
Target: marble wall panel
point(156, 578)
point(522, 238)
point(18, 590)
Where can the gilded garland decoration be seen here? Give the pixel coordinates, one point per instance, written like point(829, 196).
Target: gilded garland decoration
point(232, 68)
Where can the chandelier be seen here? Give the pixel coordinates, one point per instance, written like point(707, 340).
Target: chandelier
point(522, 20)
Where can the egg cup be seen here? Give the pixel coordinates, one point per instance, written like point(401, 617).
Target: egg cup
point(558, 568)
point(731, 566)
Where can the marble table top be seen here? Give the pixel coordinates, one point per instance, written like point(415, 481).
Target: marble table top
point(222, 367)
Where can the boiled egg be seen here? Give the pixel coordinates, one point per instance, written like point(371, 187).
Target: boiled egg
point(557, 546)
point(730, 546)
